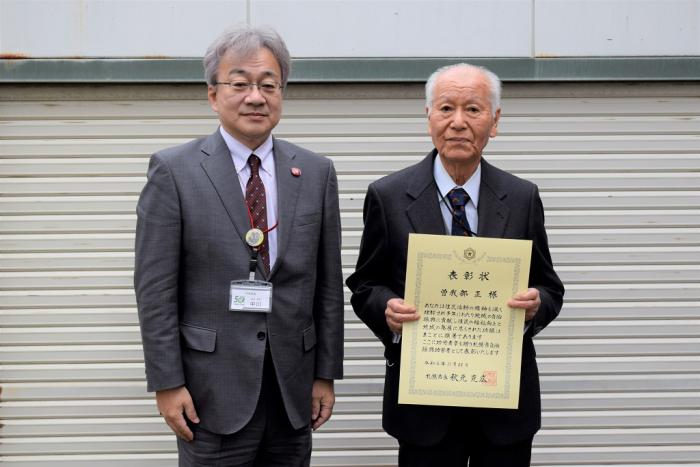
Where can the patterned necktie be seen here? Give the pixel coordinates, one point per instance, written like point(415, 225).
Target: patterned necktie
point(458, 199)
point(255, 199)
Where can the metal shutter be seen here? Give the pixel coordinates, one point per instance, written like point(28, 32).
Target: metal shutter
point(619, 171)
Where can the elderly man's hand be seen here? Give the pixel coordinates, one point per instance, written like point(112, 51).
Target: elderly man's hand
point(528, 301)
point(397, 313)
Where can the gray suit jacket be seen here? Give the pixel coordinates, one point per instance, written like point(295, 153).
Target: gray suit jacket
point(406, 202)
point(190, 244)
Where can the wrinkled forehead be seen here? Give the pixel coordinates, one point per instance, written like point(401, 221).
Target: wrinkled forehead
point(461, 78)
point(462, 84)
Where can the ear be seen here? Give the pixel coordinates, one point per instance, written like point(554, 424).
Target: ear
point(427, 113)
point(494, 127)
point(211, 95)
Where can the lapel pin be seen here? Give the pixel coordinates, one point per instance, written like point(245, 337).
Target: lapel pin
point(296, 171)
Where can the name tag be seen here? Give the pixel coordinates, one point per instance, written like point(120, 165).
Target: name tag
point(249, 295)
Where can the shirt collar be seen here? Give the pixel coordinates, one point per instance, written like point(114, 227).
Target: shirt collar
point(445, 183)
point(240, 152)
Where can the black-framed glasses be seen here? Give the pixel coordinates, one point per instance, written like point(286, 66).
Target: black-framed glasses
point(267, 87)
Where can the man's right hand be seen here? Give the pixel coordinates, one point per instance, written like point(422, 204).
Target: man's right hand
point(397, 313)
point(172, 403)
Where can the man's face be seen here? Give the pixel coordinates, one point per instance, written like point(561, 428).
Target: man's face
point(460, 120)
point(248, 115)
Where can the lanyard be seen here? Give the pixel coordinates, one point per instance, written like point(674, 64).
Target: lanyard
point(250, 218)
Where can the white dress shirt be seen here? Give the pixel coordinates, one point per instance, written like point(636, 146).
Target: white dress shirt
point(240, 153)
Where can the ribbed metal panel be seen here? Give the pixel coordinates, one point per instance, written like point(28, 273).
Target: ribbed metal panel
point(619, 172)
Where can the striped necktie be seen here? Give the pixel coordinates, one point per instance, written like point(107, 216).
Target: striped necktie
point(459, 199)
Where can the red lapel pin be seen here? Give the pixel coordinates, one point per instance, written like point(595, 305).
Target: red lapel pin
point(296, 171)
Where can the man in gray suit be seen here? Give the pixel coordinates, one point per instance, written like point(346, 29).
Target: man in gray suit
point(454, 191)
point(238, 275)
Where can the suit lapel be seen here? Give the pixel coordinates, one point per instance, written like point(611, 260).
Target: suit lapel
point(423, 211)
point(493, 212)
point(288, 188)
point(221, 171)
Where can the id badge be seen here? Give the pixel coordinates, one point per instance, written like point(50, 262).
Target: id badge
point(255, 296)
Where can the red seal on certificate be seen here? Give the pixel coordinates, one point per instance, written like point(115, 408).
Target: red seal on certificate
point(490, 377)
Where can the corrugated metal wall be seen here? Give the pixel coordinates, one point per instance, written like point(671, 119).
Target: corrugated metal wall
point(619, 171)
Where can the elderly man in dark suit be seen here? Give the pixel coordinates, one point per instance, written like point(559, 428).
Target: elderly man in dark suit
point(238, 276)
point(454, 191)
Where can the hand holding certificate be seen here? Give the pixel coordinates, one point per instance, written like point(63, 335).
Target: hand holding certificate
point(465, 350)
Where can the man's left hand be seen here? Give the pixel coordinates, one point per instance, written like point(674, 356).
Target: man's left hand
point(528, 301)
point(322, 401)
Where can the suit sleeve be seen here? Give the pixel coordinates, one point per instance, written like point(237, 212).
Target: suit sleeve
point(156, 276)
point(542, 274)
point(328, 301)
point(368, 283)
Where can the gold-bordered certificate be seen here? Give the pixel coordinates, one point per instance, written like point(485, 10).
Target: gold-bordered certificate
point(466, 347)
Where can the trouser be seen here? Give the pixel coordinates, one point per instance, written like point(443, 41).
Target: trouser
point(268, 440)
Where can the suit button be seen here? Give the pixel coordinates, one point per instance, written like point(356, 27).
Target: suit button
point(261, 336)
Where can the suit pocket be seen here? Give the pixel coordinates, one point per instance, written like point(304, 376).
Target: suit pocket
point(198, 338)
point(308, 219)
point(309, 338)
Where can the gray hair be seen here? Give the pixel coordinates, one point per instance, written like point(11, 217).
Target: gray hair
point(243, 41)
point(493, 80)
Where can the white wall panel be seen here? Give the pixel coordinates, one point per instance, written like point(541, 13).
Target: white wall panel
point(114, 28)
point(616, 27)
point(619, 176)
point(399, 28)
point(353, 28)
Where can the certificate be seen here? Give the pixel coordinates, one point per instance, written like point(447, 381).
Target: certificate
point(466, 347)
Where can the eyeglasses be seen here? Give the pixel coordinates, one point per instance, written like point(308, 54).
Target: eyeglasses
point(243, 87)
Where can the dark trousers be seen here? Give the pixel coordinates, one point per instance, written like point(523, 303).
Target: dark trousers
point(268, 440)
point(464, 446)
